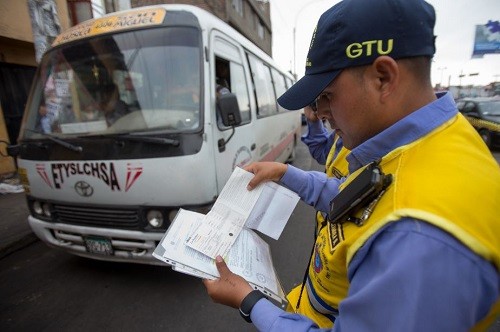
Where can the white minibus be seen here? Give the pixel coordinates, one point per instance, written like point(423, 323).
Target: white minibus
point(138, 113)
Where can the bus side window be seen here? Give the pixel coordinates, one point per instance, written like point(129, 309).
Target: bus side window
point(263, 87)
point(279, 86)
point(230, 78)
point(239, 88)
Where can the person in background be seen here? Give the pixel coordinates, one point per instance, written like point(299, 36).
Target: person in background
point(50, 107)
point(46, 118)
point(427, 256)
point(222, 87)
point(222, 77)
point(111, 104)
point(324, 146)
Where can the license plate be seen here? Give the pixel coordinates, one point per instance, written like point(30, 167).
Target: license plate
point(98, 245)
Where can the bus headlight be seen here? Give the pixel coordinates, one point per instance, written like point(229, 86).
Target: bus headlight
point(155, 218)
point(172, 214)
point(46, 209)
point(37, 207)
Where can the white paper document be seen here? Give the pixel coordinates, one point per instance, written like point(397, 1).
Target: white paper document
point(266, 208)
point(249, 256)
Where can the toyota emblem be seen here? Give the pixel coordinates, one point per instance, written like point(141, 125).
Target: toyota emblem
point(84, 189)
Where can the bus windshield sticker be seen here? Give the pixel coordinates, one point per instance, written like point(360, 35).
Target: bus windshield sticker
point(132, 19)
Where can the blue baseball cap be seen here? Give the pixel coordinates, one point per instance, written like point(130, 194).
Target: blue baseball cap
point(354, 33)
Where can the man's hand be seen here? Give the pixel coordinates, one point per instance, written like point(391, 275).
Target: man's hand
point(311, 116)
point(230, 289)
point(265, 171)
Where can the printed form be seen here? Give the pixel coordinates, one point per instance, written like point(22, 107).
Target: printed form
point(266, 208)
point(249, 257)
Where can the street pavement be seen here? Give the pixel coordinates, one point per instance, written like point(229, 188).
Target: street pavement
point(15, 232)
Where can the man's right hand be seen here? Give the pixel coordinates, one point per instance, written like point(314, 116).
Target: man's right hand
point(265, 171)
point(310, 114)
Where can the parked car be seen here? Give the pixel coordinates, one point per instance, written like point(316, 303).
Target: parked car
point(484, 115)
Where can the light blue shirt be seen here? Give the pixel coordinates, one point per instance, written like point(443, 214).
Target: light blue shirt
point(318, 140)
point(410, 275)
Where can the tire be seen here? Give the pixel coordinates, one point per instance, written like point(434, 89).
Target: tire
point(486, 136)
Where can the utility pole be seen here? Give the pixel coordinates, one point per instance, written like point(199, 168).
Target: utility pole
point(441, 69)
point(295, 35)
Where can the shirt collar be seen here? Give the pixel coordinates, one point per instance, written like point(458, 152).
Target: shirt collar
point(405, 131)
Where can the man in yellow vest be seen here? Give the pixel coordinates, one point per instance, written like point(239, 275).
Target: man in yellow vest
point(422, 255)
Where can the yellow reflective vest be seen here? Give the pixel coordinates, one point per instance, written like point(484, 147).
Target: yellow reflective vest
point(336, 166)
point(447, 178)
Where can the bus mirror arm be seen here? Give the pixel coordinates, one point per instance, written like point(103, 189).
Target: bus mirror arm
point(222, 143)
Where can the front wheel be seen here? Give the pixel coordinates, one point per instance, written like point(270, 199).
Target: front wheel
point(486, 136)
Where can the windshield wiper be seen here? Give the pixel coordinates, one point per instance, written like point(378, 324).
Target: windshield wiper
point(59, 141)
point(148, 139)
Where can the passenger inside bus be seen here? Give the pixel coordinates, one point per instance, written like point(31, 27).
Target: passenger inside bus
point(106, 105)
point(222, 87)
point(111, 104)
point(222, 77)
point(186, 94)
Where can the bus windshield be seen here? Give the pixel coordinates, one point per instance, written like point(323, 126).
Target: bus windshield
point(139, 81)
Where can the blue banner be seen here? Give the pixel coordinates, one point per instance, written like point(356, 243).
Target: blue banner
point(487, 39)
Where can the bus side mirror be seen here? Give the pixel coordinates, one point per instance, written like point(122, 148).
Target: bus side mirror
point(229, 110)
point(13, 150)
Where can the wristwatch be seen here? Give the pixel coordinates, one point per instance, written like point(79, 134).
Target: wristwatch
point(248, 303)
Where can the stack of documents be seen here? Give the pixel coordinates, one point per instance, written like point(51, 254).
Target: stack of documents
point(193, 240)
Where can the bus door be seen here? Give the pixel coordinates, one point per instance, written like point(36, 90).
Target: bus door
point(229, 76)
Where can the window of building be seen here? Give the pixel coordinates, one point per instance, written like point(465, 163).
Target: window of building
point(260, 29)
point(117, 5)
point(79, 11)
point(263, 85)
point(238, 6)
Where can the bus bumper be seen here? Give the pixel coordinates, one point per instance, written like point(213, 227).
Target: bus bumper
point(127, 246)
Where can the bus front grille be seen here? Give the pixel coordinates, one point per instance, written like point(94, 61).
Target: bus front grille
point(97, 217)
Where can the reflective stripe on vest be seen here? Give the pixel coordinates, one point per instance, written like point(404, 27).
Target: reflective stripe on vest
point(318, 304)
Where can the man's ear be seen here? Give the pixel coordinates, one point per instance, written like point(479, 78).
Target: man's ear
point(387, 75)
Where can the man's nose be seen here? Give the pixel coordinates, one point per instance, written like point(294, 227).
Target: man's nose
point(324, 113)
point(323, 109)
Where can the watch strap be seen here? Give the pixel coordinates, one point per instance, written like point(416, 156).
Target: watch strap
point(248, 303)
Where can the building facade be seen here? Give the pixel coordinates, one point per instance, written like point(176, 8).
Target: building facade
point(17, 68)
point(251, 18)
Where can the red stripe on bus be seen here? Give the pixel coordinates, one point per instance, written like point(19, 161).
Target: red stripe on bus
point(274, 153)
